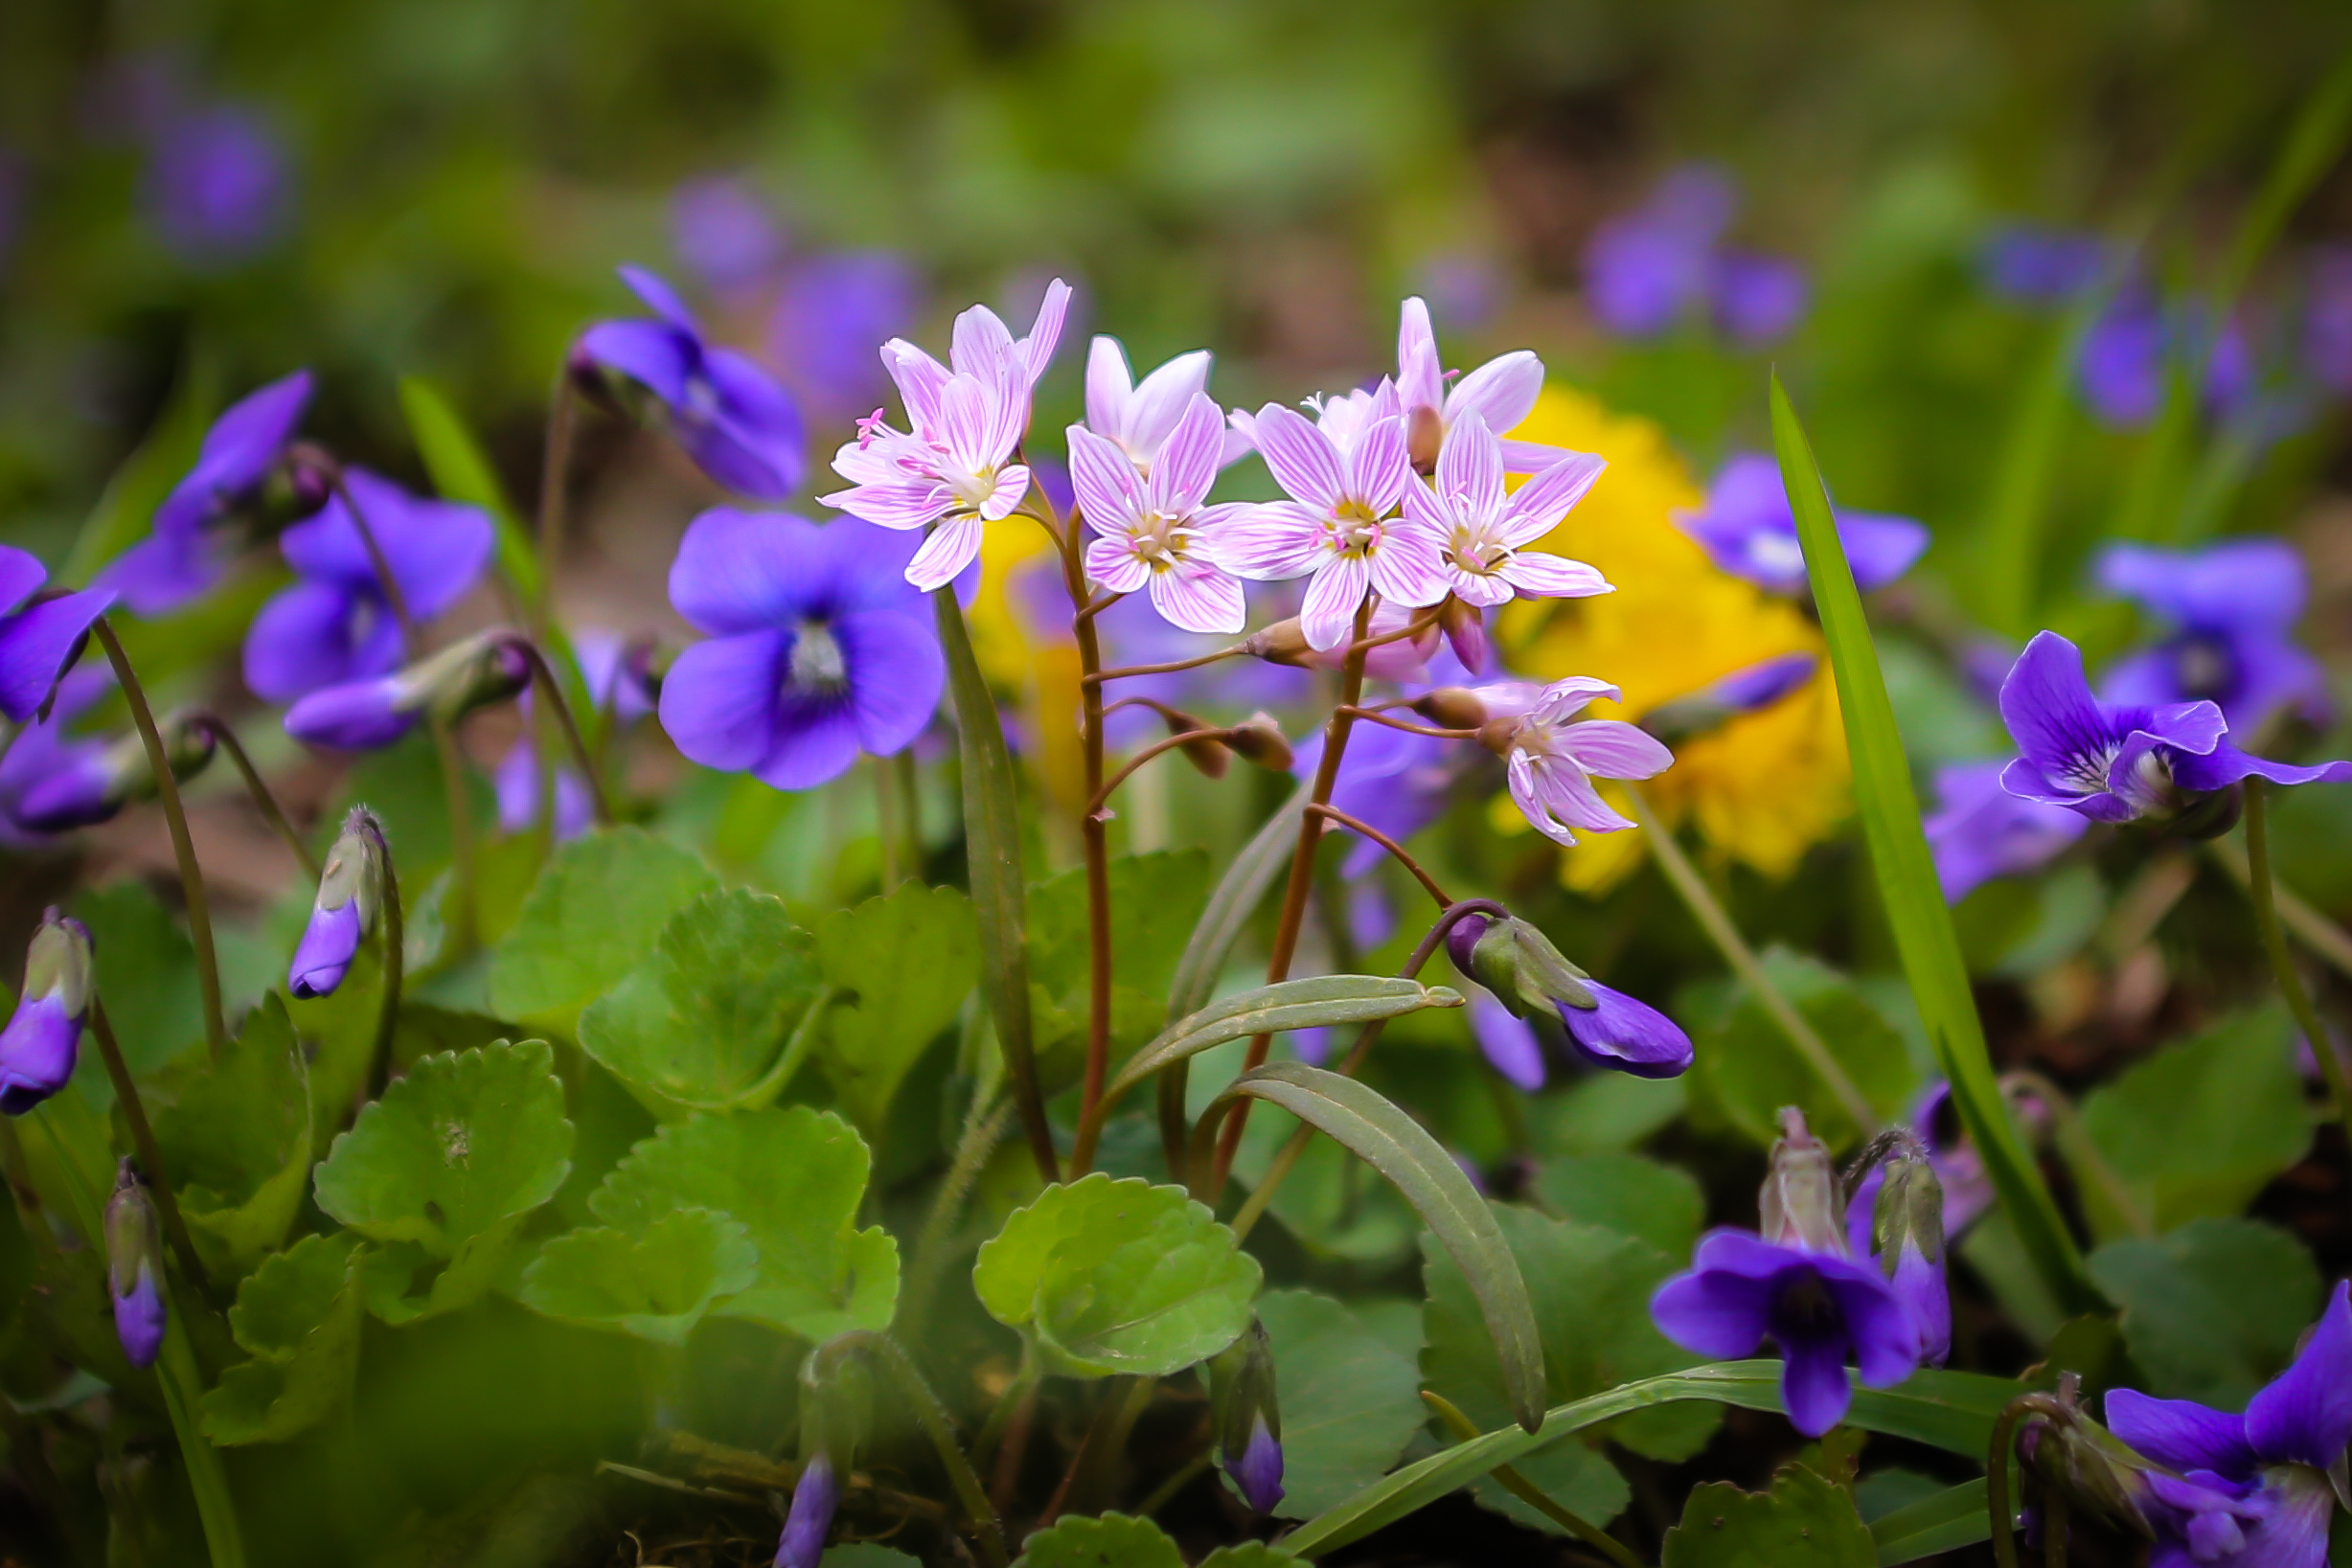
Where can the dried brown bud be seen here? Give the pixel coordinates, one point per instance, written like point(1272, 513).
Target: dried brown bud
point(1259, 740)
point(1496, 735)
point(1284, 642)
point(1455, 707)
point(1205, 754)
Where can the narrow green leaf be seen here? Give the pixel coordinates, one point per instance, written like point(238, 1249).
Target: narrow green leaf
point(1270, 1010)
point(1889, 810)
point(2309, 152)
point(1952, 1518)
point(2024, 475)
point(1401, 1149)
point(992, 859)
point(1234, 899)
point(1953, 1411)
point(461, 471)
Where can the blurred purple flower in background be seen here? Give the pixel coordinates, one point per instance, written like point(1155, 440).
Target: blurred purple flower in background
point(1748, 529)
point(218, 183)
point(2125, 357)
point(2229, 613)
point(829, 312)
point(2327, 319)
point(725, 234)
point(619, 688)
point(1508, 1042)
point(1647, 270)
point(1465, 289)
point(38, 641)
point(334, 624)
point(1979, 831)
point(46, 767)
point(2036, 264)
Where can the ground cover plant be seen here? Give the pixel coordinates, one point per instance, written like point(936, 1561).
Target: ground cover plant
point(1120, 973)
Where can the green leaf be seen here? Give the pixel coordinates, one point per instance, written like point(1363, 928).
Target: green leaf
point(656, 1284)
point(793, 1178)
point(701, 1023)
point(146, 973)
point(867, 1555)
point(1249, 1554)
point(1747, 1070)
point(460, 471)
point(1950, 1410)
point(1591, 1290)
point(1889, 806)
point(1114, 1540)
point(1333, 1205)
point(2212, 1311)
point(2197, 1128)
point(1350, 1403)
point(1627, 1193)
point(444, 1168)
point(298, 1316)
point(1945, 1521)
point(1155, 901)
point(907, 962)
point(1401, 1149)
point(596, 911)
point(236, 1134)
point(1106, 1277)
point(1604, 1114)
point(1803, 1522)
point(1319, 1002)
point(1230, 904)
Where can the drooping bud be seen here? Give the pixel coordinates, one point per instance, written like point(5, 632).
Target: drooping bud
point(2098, 1472)
point(1248, 1417)
point(835, 1394)
point(311, 475)
point(815, 1497)
point(94, 788)
point(1519, 963)
point(1465, 628)
point(1906, 1236)
point(349, 892)
point(1259, 738)
point(1798, 1205)
point(1452, 707)
point(134, 1265)
point(361, 716)
point(1712, 706)
point(1205, 754)
point(1425, 431)
point(44, 1036)
point(1285, 642)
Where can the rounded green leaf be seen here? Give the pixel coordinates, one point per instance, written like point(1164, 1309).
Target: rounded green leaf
point(1803, 1522)
point(794, 1179)
point(1659, 1204)
point(701, 1023)
point(597, 909)
point(236, 1134)
point(1747, 1069)
point(1104, 1277)
point(298, 1316)
point(1350, 1403)
point(1114, 1540)
point(1251, 1554)
point(656, 1284)
point(460, 1146)
point(2213, 1310)
point(904, 963)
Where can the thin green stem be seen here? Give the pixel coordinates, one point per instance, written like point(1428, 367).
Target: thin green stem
point(2054, 1528)
point(933, 1418)
point(908, 787)
point(1717, 924)
point(983, 1127)
point(176, 816)
point(2082, 1151)
point(264, 798)
point(1533, 1495)
point(1997, 1504)
point(142, 1139)
point(395, 958)
point(2274, 942)
point(550, 691)
point(2327, 940)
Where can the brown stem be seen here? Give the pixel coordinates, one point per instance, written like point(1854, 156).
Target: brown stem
point(176, 816)
point(1377, 716)
point(1428, 883)
point(1013, 1447)
point(550, 692)
point(1156, 748)
point(259, 789)
point(1414, 629)
point(1301, 883)
point(1169, 669)
point(1094, 835)
point(142, 1139)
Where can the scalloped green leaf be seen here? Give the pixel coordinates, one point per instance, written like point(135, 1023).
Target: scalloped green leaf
point(236, 1134)
point(1155, 901)
point(2214, 1310)
point(656, 1284)
point(793, 1178)
point(1113, 1540)
point(298, 1316)
point(701, 1023)
point(1803, 1522)
point(905, 962)
point(1656, 1203)
point(593, 915)
point(1106, 1277)
point(1350, 1403)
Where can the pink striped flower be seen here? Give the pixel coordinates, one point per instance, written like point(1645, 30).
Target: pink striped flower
point(1484, 528)
point(954, 467)
point(1152, 530)
point(1345, 476)
point(1501, 392)
point(1553, 759)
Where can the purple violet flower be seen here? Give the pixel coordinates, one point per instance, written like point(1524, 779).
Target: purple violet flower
point(1485, 531)
point(330, 942)
point(186, 553)
point(2120, 762)
point(1523, 972)
point(38, 641)
point(817, 648)
point(1644, 271)
point(1508, 1042)
point(725, 234)
point(334, 624)
point(1258, 1472)
point(1979, 831)
point(48, 766)
point(815, 1497)
point(730, 415)
point(2259, 1493)
point(953, 466)
point(2038, 265)
point(1757, 299)
point(1154, 529)
point(43, 1035)
point(365, 715)
point(2124, 358)
point(218, 184)
point(2327, 320)
point(2228, 612)
point(1627, 1034)
point(1749, 529)
point(829, 312)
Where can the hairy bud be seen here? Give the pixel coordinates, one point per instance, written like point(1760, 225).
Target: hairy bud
point(349, 892)
point(1248, 1419)
point(1798, 1205)
point(134, 1266)
point(1519, 963)
point(44, 1036)
point(1258, 739)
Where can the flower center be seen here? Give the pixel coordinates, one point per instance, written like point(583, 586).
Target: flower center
point(1354, 527)
point(816, 664)
point(1474, 552)
point(972, 488)
point(1158, 540)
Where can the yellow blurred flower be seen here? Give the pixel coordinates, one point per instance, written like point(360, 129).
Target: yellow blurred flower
point(1763, 788)
point(1023, 659)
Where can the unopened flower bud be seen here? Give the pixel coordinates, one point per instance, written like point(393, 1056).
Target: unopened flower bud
point(1519, 963)
point(44, 1036)
point(1452, 707)
point(1425, 431)
point(2098, 1472)
point(1499, 734)
point(311, 475)
point(1285, 642)
point(1205, 754)
point(350, 891)
point(134, 1266)
point(815, 1497)
point(361, 716)
point(1465, 628)
point(1906, 1236)
point(1712, 706)
point(96, 787)
point(1798, 1205)
point(1259, 738)
point(1248, 1417)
